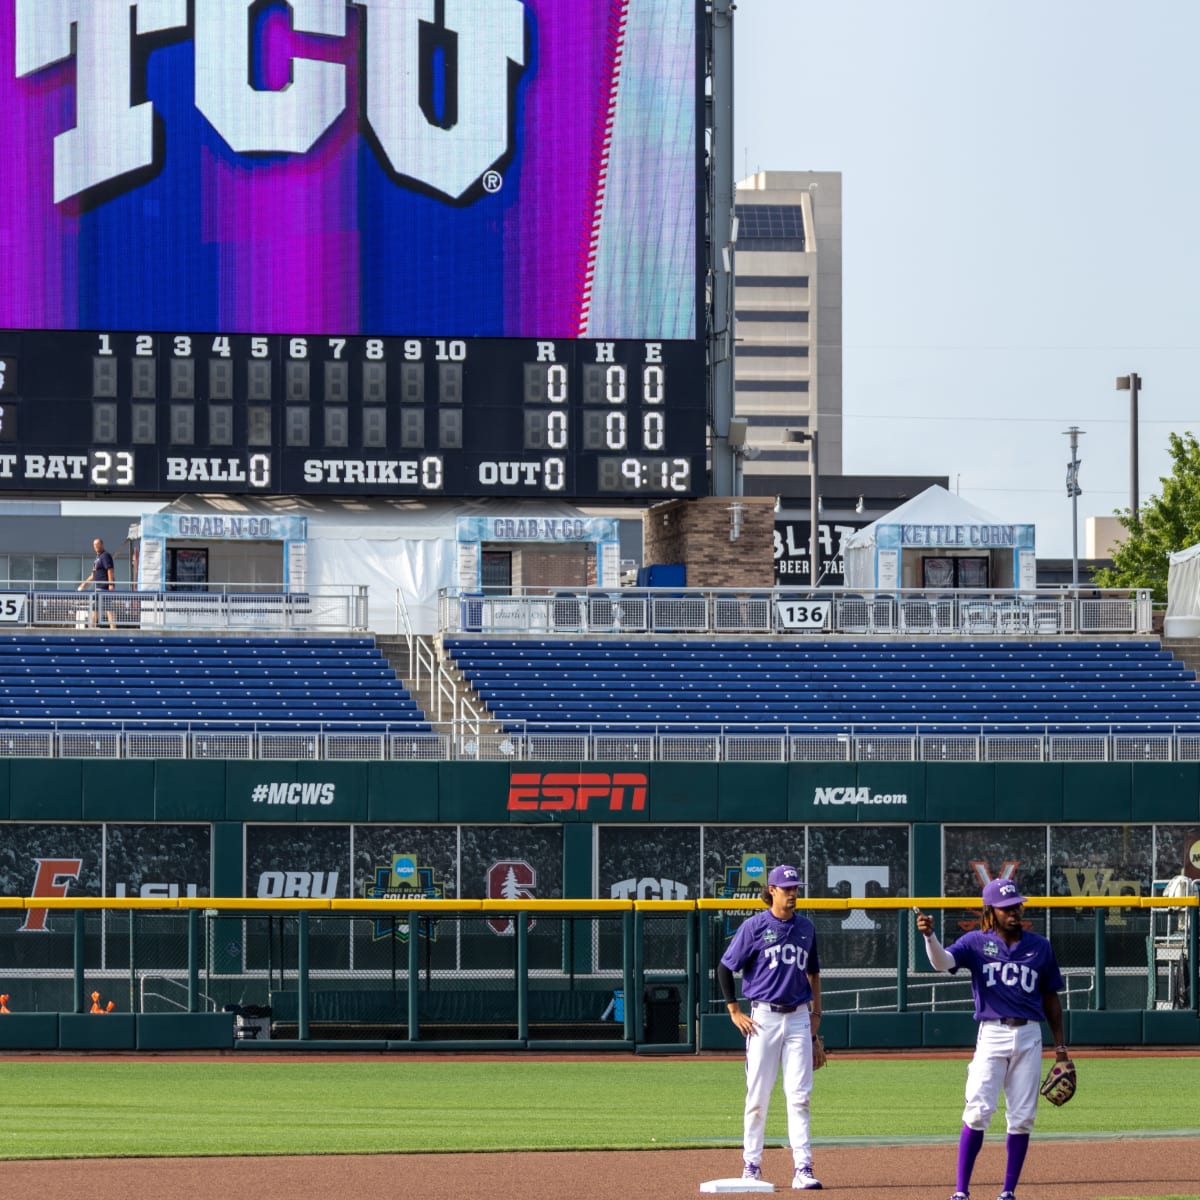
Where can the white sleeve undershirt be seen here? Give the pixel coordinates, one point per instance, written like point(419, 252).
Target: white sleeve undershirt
point(939, 957)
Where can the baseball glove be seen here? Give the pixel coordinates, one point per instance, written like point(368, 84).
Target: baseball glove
point(819, 1057)
point(1059, 1085)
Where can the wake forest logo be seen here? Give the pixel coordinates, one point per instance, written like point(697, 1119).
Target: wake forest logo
point(741, 881)
point(1102, 881)
point(1081, 881)
point(404, 879)
point(439, 86)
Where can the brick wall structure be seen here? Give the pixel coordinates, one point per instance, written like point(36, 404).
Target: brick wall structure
point(697, 534)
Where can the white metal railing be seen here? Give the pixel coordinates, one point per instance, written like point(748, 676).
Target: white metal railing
point(332, 608)
point(465, 739)
point(997, 613)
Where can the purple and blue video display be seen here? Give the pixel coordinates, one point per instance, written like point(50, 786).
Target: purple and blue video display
point(481, 168)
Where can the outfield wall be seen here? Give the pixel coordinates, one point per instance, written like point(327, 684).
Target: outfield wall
point(282, 831)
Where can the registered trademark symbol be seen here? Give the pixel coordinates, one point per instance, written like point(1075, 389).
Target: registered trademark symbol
point(493, 181)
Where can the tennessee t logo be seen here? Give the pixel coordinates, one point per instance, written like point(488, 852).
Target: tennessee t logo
point(54, 876)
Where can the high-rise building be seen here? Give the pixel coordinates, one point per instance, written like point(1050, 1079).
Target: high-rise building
point(788, 324)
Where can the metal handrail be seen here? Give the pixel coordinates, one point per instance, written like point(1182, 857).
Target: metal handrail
point(258, 607)
point(464, 738)
point(798, 612)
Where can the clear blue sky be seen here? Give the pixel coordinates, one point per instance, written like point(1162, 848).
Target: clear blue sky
point(1021, 225)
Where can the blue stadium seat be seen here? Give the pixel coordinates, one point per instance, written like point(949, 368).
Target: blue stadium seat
point(916, 683)
point(154, 681)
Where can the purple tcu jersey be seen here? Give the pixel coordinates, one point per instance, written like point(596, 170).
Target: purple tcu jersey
point(1008, 981)
point(775, 958)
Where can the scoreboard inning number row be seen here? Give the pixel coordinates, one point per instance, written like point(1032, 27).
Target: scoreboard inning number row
point(154, 413)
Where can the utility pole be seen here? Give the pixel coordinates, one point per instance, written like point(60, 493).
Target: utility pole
point(814, 499)
point(1074, 491)
point(1131, 384)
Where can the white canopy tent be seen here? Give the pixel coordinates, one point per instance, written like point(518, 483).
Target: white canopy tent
point(887, 553)
point(1183, 594)
point(406, 548)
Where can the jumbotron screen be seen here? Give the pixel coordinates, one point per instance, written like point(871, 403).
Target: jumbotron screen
point(392, 246)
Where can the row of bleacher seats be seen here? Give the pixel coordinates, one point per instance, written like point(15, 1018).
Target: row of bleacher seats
point(143, 680)
point(757, 686)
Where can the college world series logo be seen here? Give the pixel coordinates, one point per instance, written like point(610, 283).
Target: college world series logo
point(741, 881)
point(404, 879)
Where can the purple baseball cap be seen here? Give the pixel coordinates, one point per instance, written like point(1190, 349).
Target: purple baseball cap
point(784, 876)
point(1002, 893)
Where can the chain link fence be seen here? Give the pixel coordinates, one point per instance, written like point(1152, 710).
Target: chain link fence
point(613, 974)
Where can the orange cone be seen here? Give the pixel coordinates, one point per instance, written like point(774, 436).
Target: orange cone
point(4, 1003)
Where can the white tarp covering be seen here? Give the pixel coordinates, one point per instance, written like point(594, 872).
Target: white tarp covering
point(393, 546)
point(1183, 594)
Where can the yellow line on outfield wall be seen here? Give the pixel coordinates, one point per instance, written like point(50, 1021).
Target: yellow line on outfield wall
point(815, 904)
point(403, 906)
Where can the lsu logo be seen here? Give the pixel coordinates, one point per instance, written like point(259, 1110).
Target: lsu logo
point(575, 791)
point(439, 88)
point(54, 876)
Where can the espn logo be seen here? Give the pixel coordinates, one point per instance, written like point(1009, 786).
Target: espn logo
point(574, 791)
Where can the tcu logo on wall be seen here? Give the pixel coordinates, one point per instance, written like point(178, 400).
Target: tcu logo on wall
point(438, 97)
point(512, 879)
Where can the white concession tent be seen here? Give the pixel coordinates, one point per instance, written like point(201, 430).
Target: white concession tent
point(403, 550)
point(887, 553)
point(1183, 594)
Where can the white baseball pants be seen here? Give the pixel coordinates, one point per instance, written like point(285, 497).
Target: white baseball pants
point(782, 1039)
point(1008, 1057)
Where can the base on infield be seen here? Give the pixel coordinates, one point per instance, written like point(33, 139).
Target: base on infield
point(737, 1184)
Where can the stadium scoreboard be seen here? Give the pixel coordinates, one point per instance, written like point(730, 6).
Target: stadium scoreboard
point(452, 247)
point(170, 413)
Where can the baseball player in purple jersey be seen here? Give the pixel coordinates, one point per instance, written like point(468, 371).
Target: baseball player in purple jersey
point(1016, 981)
point(776, 953)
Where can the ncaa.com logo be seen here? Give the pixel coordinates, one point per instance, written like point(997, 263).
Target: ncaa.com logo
point(857, 795)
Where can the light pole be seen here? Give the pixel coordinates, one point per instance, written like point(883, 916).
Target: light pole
point(1131, 384)
point(814, 500)
point(1074, 491)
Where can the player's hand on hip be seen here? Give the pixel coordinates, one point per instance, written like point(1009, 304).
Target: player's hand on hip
point(746, 1024)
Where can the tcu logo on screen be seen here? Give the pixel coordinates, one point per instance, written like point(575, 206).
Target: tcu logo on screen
point(407, 61)
point(574, 791)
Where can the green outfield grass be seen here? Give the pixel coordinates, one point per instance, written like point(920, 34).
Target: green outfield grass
point(146, 1107)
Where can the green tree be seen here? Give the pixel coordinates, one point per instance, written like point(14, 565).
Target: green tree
point(1167, 523)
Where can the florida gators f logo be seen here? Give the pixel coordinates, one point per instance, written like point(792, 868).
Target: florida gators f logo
point(54, 876)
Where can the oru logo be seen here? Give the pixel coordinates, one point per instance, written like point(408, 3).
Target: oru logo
point(438, 94)
point(577, 791)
